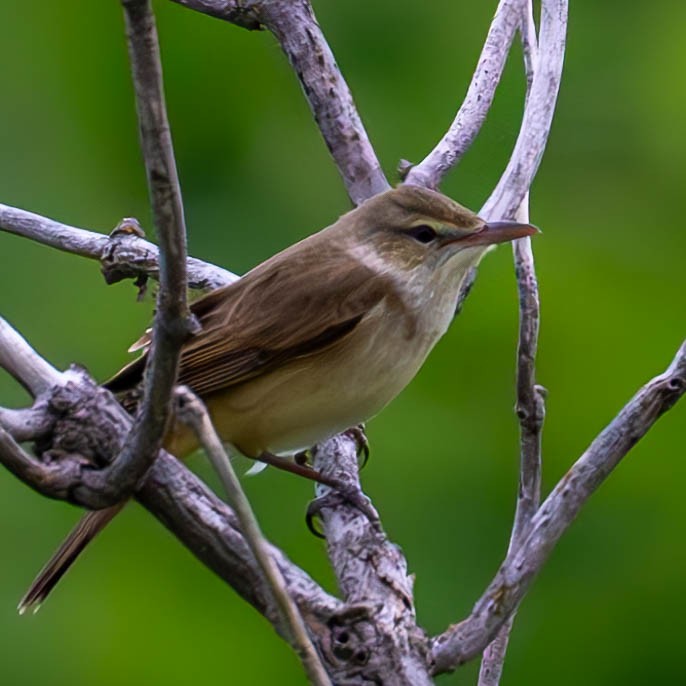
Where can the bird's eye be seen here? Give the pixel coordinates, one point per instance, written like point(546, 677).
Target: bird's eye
point(423, 233)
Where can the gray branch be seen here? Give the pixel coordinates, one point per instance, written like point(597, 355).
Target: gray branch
point(472, 113)
point(296, 29)
point(193, 411)
point(172, 323)
point(372, 575)
point(463, 641)
point(530, 406)
point(530, 410)
point(26, 424)
point(519, 174)
point(124, 254)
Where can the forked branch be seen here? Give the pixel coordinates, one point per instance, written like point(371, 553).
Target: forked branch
point(123, 254)
point(172, 324)
point(472, 113)
point(465, 640)
point(530, 406)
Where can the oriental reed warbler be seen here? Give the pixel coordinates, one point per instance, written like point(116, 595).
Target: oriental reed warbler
point(318, 338)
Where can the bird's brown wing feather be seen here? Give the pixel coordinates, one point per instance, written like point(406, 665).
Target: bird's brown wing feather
point(282, 310)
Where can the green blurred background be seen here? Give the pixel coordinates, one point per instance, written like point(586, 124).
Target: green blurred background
point(138, 608)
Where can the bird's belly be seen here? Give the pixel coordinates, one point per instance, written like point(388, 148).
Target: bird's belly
point(309, 400)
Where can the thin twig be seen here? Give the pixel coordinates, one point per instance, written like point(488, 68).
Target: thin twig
point(531, 412)
point(519, 174)
point(172, 323)
point(526, 157)
point(530, 397)
point(527, 31)
point(296, 29)
point(472, 113)
point(193, 412)
point(121, 254)
point(463, 641)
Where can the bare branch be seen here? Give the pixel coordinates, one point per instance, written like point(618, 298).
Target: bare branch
point(172, 323)
point(372, 574)
point(26, 424)
point(122, 254)
point(53, 481)
point(530, 397)
point(294, 25)
point(296, 29)
point(527, 31)
point(194, 413)
point(463, 641)
point(518, 176)
point(101, 488)
point(472, 113)
point(531, 413)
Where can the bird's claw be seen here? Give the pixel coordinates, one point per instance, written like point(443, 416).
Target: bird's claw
point(343, 493)
point(303, 458)
point(357, 433)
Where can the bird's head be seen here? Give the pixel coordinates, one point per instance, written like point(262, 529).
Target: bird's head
point(413, 228)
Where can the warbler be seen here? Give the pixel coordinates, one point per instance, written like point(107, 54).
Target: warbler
point(318, 338)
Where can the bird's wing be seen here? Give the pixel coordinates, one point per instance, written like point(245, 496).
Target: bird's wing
point(282, 310)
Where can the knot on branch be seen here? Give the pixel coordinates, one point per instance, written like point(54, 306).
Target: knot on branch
point(76, 405)
point(360, 650)
point(87, 434)
point(676, 384)
point(530, 410)
point(672, 388)
point(247, 16)
point(125, 256)
point(351, 637)
point(404, 168)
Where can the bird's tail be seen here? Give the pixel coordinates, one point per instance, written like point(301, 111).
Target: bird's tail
point(88, 527)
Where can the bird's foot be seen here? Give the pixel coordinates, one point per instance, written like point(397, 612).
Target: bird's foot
point(300, 465)
point(358, 434)
point(342, 493)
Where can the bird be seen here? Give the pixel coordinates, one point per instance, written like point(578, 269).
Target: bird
point(316, 339)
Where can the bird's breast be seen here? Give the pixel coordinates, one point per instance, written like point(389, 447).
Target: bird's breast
point(308, 400)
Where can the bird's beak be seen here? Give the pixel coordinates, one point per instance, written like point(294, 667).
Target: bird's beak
point(496, 232)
